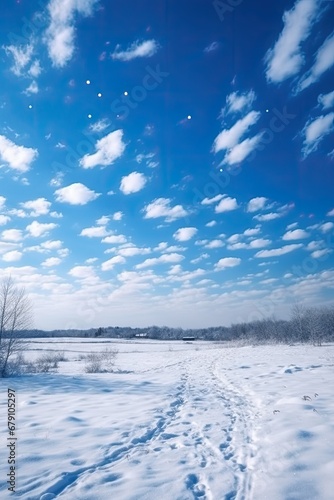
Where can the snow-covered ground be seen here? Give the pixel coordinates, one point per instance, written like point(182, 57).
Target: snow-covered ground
point(177, 421)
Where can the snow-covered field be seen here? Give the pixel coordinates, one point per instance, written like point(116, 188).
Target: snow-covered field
point(176, 421)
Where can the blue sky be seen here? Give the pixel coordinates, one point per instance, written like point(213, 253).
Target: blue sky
point(167, 163)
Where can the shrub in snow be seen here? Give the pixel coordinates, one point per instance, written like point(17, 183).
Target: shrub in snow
point(100, 362)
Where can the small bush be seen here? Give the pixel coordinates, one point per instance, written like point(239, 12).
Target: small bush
point(100, 362)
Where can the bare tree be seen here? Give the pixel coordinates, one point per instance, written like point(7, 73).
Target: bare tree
point(15, 316)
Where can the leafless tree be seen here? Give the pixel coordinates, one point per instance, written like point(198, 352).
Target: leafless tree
point(15, 316)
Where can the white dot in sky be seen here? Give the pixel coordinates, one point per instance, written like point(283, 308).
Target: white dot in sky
point(267, 110)
point(30, 106)
point(88, 82)
point(126, 93)
point(99, 94)
point(189, 117)
point(89, 116)
point(220, 170)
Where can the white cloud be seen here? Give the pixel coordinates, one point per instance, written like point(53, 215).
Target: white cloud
point(323, 61)
point(82, 272)
point(163, 259)
point(259, 243)
point(12, 256)
point(35, 69)
point(330, 213)
point(133, 183)
point(4, 219)
point(211, 47)
point(326, 100)
point(99, 126)
point(131, 251)
point(109, 264)
point(59, 36)
point(76, 194)
point(326, 227)
point(285, 59)
point(51, 244)
point(227, 262)
point(295, 234)
point(316, 130)
point(276, 252)
point(214, 244)
point(320, 253)
point(12, 235)
point(32, 88)
point(240, 152)
point(209, 201)
point(293, 225)
point(38, 207)
point(239, 101)
point(185, 233)
point(22, 56)
point(16, 157)
point(161, 208)
point(252, 231)
point(2, 201)
point(269, 216)
point(137, 49)
point(212, 223)
point(52, 261)
point(38, 229)
point(256, 204)
point(117, 216)
point(103, 221)
point(226, 205)
point(116, 238)
point(94, 232)
point(108, 150)
point(229, 138)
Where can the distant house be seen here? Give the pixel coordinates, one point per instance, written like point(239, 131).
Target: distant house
point(188, 339)
point(141, 335)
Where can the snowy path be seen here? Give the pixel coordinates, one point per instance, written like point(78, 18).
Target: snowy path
point(178, 423)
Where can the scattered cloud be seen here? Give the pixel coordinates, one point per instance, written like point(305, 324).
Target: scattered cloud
point(210, 201)
point(226, 205)
point(257, 204)
point(229, 138)
point(99, 126)
point(185, 233)
point(108, 150)
point(324, 60)
point(315, 130)
point(326, 101)
point(37, 229)
point(22, 56)
point(211, 47)
point(76, 194)
point(94, 232)
point(12, 235)
point(12, 256)
point(161, 208)
point(137, 49)
point(276, 252)
point(38, 207)
point(227, 262)
point(60, 34)
point(108, 265)
point(133, 183)
point(115, 239)
point(16, 157)
point(326, 227)
point(51, 262)
point(295, 234)
point(285, 59)
point(239, 101)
